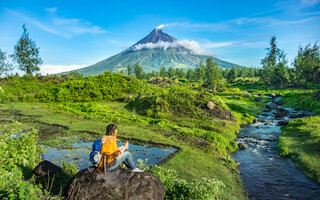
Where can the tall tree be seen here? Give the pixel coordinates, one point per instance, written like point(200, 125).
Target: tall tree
point(307, 64)
point(275, 70)
point(138, 71)
point(190, 74)
point(171, 72)
point(26, 53)
point(163, 71)
point(5, 66)
point(129, 70)
point(232, 75)
point(213, 73)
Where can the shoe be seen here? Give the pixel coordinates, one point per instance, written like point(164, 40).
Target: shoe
point(137, 170)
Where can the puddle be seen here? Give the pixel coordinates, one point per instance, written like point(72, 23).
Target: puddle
point(79, 154)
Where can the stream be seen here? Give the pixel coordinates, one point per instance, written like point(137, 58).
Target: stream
point(266, 175)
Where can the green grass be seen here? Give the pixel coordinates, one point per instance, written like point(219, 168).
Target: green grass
point(300, 140)
point(303, 99)
point(192, 163)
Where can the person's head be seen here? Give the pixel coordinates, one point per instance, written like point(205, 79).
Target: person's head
point(111, 130)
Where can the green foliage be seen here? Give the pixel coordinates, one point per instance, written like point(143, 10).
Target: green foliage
point(19, 155)
point(300, 141)
point(59, 89)
point(176, 188)
point(180, 103)
point(129, 70)
point(138, 71)
point(275, 71)
point(27, 54)
point(213, 73)
point(303, 99)
point(307, 64)
point(69, 168)
point(5, 66)
point(281, 148)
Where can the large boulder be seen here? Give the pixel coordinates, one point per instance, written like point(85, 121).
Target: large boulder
point(280, 112)
point(283, 122)
point(271, 105)
point(115, 185)
point(46, 168)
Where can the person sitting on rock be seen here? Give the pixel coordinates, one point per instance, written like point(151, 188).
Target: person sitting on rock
point(112, 156)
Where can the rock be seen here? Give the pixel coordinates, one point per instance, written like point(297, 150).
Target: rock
point(36, 108)
point(266, 123)
point(271, 105)
point(46, 168)
point(257, 127)
point(280, 112)
point(283, 122)
point(278, 102)
point(242, 146)
point(114, 185)
point(210, 105)
point(258, 99)
point(273, 95)
point(302, 113)
point(237, 163)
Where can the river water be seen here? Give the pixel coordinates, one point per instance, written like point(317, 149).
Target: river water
point(266, 175)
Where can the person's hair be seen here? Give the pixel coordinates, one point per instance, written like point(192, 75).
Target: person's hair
point(111, 128)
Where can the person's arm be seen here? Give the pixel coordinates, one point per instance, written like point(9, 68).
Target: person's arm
point(124, 147)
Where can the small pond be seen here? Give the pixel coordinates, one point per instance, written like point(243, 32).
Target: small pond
point(79, 154)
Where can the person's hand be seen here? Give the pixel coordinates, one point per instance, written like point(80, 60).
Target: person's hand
point(126, 145)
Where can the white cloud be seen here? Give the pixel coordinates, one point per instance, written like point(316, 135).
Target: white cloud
point(212, 45)
point(251, 44)
point(308, 3)
point(51, 10)
point(63, 27)
point(53, 69)
point(189, 44)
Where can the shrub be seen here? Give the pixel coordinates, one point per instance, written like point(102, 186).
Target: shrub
point(177, 188)
point(18, 157)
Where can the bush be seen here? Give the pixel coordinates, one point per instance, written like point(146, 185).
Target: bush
point(176, 188)
point(18, 157)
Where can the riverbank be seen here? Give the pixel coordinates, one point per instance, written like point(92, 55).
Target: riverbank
point(300, 141)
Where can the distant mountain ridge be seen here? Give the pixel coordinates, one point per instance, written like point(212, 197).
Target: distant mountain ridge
point(153, 51)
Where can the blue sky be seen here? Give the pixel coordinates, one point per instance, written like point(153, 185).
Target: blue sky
point(73, 34)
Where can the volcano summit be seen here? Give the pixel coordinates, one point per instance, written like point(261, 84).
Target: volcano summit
point(153, 51)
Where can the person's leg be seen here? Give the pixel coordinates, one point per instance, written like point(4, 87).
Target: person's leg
point(129, 161)
point(126, 158)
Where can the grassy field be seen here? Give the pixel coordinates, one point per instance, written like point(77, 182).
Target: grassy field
point(300, 141)
point(191, 163)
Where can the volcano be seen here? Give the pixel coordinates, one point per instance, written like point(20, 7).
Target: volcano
point(153, 51)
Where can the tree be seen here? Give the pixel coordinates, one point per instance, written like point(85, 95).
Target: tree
point(307, 64)
point(275, 70)
point(232, 75)
point(190, 74)
point(129, 70)
point(138, 71)
point(213, 73)
point(5, 66)
point(27, 54)
point(171, 72)
point(163, 72)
